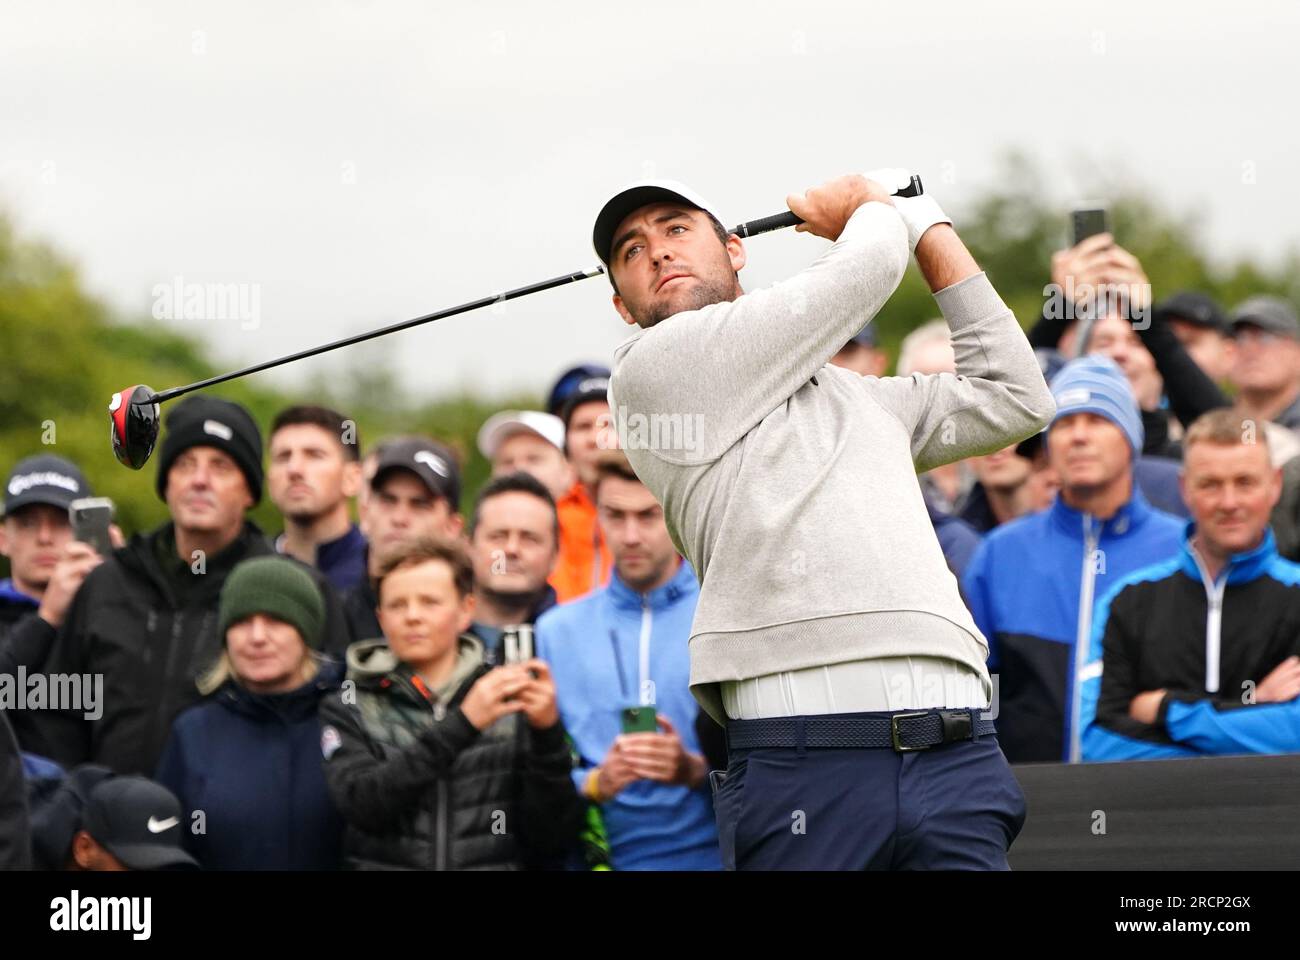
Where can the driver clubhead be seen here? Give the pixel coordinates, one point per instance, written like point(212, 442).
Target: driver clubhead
point(135, 424)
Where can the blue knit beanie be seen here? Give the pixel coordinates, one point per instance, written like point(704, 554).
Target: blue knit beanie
point(1095, 384)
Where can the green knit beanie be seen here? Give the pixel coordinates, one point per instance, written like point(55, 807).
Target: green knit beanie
point(278, 587)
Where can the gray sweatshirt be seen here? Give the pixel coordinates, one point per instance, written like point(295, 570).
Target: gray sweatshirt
point(791, 485)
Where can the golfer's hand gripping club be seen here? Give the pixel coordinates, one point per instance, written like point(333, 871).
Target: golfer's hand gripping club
point(752, 228)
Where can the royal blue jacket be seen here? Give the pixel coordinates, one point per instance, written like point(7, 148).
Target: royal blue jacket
point(252, 763)
point(594, 646)
point(1031, 587)
point(1208, 643)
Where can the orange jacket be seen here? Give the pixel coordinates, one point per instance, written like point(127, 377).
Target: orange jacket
point(584, 560)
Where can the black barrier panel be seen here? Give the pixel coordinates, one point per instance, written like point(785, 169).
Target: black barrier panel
point(1222, 813)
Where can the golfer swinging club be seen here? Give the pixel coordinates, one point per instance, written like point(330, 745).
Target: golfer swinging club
point(830, 637)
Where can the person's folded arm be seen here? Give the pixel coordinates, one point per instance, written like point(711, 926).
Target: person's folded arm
point(1209, 727)
point(1108, 684)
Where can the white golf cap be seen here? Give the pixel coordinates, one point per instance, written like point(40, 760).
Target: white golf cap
point(501, 426)
point(633, 197)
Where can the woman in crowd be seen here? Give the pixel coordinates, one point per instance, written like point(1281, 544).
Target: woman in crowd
point(246, 761)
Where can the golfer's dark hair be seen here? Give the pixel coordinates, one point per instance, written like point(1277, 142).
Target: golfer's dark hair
point(331, 421)
point(718, 230)
point(518, 482)
point(428, 550)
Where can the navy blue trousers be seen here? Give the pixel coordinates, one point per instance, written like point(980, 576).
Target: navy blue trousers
point(953, 807)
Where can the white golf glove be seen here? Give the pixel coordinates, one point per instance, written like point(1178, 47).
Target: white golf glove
point(918, 213)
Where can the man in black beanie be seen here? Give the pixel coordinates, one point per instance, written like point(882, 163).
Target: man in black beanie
point(145, 619)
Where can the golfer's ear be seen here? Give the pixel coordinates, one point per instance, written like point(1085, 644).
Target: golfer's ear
point(736, 250)
point(622, 311)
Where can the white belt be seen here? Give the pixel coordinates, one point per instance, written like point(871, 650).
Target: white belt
point(858, 686)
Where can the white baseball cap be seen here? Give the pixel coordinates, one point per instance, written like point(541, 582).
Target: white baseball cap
point(633, 197)
point(501, 426)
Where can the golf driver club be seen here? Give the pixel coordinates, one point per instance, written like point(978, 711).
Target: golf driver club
point(134, 412)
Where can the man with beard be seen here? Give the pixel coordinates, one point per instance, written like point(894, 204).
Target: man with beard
point(315, 470)
point(830, 635)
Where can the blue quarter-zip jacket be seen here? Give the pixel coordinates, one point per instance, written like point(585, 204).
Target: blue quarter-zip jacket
point(594, 646)
point(1032, 587)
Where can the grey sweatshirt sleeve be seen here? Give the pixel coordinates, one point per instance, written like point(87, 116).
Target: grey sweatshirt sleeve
point(730, 364)
point(997, 397)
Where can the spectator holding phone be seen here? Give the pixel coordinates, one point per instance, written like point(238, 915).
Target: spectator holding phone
point(46, 567)
point(437, 761)
point(1114, 311)
point(622, 671)
point(514, 536)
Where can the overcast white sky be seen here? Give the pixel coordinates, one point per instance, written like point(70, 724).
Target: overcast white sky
point(362, 162)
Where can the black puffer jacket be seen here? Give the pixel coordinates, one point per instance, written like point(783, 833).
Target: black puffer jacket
point(148, 624)
point(423, 789)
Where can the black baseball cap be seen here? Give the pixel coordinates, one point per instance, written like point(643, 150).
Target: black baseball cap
point(1192, 307)
point(137, 821)
point(635, 196)
point(429, 460)
point(44, 478)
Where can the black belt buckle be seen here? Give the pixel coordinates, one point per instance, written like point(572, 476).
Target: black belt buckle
point(895, 736)
point(957, 725)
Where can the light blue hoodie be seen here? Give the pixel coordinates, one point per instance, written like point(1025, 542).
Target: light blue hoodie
point(594, 647)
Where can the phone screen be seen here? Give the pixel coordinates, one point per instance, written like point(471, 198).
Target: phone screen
point(640, 719)
point(1088, 223)
point(90, 519)
point(517, 643)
